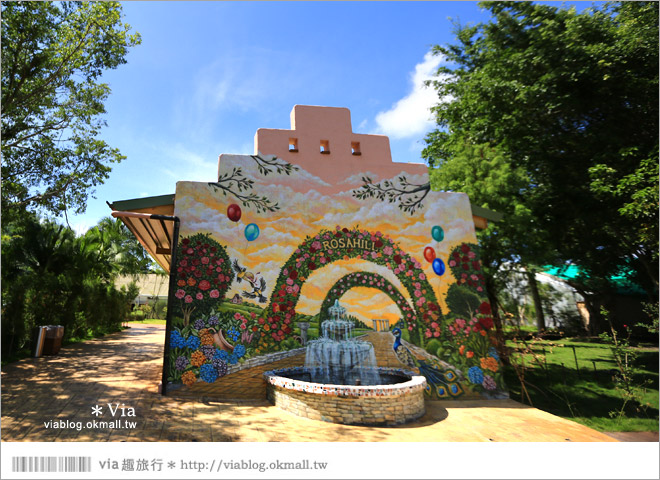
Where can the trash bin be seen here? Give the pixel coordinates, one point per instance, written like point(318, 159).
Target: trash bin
point(53, 342)
point(38, 340)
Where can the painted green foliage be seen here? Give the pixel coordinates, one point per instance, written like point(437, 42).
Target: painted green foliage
point(367, 279)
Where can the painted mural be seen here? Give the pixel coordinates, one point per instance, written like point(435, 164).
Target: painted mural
point(270, 245)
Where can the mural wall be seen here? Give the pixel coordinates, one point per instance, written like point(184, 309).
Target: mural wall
point(270, 245)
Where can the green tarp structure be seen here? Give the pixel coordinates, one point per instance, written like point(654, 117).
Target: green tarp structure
point(569, 272)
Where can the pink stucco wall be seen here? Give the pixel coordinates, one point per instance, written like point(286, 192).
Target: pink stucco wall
point(310, 125)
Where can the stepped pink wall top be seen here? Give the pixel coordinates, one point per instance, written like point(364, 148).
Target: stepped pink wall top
point(311, 125)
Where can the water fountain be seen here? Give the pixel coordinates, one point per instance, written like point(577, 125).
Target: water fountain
point(342, 383)
point(337, 357)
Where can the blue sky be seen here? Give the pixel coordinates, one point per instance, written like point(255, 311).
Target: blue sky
point(209, 74)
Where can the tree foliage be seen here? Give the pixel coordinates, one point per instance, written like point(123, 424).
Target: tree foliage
point(50, 276)
point(53, 56)
point(551, 117)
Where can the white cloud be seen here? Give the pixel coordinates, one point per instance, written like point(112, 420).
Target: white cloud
point(411, 116)
point(187, 165)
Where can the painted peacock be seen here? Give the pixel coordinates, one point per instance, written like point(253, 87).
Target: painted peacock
point(443, 382)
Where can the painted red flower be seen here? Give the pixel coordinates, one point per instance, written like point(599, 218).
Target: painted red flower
point(485, 309)
point(486, 322)
point(311, 266)
point(378, 243)
point(397, 259)
point(204, 285)
point(214, 293)
point(293, 275)
point(465, 248)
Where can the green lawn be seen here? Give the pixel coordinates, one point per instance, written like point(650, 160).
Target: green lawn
point(150, 321)
point(586, 392)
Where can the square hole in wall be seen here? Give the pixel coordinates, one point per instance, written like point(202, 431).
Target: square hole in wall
point(293, 144)
point(325, 146)
point(355, 148)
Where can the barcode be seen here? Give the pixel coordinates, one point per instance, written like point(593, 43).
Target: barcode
point(51, 464)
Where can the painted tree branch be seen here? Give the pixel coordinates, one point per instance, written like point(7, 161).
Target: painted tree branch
point(408, 195)
point(239, 186)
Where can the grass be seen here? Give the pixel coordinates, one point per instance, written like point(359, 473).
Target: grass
point(586, 391)
point(149, 321)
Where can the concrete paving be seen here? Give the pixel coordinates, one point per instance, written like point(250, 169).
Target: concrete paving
point(125, 369)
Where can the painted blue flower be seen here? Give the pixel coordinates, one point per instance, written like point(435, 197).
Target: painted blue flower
point(476, 375)
point(233, 359)
point(193, 342)
point(176, 340)
point(233, 334)
point(199, 324)
point(221, 354)
point(208, 373)
point(239, 350)
point(493, 353)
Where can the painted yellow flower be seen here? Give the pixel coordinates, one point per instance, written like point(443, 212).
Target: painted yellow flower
point(189, 378)
point(197, 359)
point(489, 363)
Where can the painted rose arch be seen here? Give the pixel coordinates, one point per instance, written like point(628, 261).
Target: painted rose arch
point(343, 244)
point(369, 280)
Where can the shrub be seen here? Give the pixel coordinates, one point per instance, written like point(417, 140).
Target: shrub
point(433, 345)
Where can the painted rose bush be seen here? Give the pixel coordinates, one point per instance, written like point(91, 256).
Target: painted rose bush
point(328, 246)
point(203, 276)
point(469, 341)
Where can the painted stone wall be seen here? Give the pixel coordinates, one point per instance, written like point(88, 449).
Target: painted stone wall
point(270, 245)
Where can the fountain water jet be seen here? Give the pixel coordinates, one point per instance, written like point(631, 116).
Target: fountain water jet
point(337, 357)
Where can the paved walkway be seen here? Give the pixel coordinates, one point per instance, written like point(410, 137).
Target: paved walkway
point(125, 368)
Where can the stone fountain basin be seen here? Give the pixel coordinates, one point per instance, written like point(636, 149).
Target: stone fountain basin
point(376, 405)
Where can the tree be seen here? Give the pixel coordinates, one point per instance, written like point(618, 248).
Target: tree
point(568, 103)
point(50, 276)
point(53, 55)
point(121, 249)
